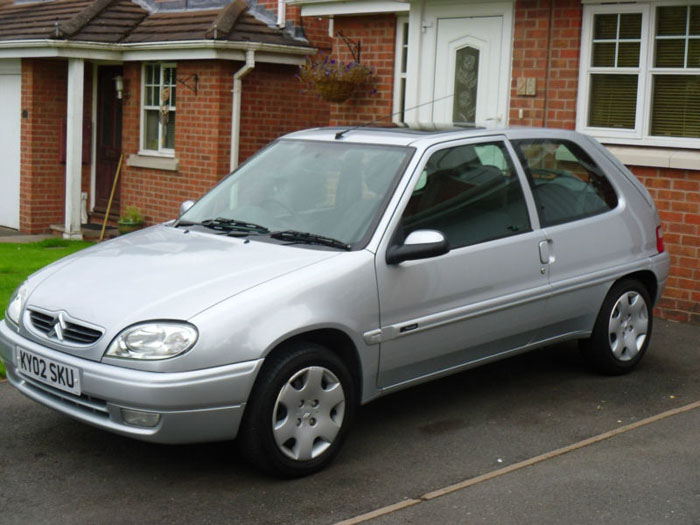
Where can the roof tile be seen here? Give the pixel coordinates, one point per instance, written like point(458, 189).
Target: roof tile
point(115, 21)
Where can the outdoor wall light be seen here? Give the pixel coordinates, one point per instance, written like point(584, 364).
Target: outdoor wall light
point(119, 86)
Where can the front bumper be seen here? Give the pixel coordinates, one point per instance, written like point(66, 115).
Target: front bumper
point(197, 406)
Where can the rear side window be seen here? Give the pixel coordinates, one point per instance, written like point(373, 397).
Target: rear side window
point(566, 183)
point(471, 194)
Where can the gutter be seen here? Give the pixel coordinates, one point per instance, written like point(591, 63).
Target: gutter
point(236, 107)
point(118, 50)
point(281, 13)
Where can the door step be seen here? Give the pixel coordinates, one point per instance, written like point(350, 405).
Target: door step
point(90, 231)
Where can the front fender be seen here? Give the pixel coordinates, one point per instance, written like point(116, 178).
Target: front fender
point(339, 294)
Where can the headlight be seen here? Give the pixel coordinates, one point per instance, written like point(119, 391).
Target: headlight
point(153, 341)
point(14, 308)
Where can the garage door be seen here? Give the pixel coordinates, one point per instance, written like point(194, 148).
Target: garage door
point(10, 115)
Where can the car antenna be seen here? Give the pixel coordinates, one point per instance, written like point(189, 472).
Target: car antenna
point(340, 134)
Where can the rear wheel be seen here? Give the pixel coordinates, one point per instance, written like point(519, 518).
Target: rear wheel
point(299, 411)
point(622, 330)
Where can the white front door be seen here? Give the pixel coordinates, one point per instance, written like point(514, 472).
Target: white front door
point(10, 126)
point(458, 68)
point(467, 67)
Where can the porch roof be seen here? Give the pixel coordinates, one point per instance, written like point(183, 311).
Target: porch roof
point(126, 22)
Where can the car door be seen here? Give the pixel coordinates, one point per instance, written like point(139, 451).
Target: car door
point(483, 298)
point(588, 239)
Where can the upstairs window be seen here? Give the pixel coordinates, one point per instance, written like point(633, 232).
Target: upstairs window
point(158, 119)
point(640, 74)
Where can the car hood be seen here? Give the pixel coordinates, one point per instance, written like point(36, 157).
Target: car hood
point(161, 273)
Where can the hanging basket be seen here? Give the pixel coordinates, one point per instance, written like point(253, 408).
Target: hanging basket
point(337, 91)
point(335, 81)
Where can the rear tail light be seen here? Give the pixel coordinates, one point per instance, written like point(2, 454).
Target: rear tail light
point(659, 240)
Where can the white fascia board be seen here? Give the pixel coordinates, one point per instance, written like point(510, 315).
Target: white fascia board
point(207, 49)
point(292, 60)
point(59, 48)
point(354, 7)
point(184, 50)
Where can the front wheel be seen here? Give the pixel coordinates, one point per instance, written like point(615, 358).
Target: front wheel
point(301, 407)
point(622, 330)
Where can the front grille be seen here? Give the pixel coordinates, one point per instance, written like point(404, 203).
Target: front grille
point(83, 403)
point(67, 331)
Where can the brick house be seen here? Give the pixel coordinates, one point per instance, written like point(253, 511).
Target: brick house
point(626, 73)
point(83, 82)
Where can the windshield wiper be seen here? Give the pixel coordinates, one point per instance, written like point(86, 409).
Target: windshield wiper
point(232, 225)
point(309, 238)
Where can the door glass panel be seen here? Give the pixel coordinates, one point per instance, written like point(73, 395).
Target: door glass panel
point(471, 194)
point(566, 183)
point(466, 79)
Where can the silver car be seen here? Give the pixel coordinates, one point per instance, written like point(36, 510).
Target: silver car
point(336, 266)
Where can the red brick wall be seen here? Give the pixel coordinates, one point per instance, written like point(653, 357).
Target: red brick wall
point(377, 35)
point(677, 196)
point(554, 104)
point(202, 140)
point(42, 174)
point(274, 103)
point(271, 105)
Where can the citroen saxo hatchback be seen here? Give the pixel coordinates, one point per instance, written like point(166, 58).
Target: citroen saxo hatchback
point(336, 266)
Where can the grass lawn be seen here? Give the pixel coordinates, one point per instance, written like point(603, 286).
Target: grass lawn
point(18, 261)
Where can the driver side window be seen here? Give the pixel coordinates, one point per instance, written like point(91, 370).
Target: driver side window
point(471, 194)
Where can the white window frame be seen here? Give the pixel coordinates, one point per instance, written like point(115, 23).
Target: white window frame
point(400, 69)
point(160, 152)
point(641, 134)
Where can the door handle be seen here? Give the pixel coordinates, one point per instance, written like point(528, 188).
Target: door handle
point(546, 256)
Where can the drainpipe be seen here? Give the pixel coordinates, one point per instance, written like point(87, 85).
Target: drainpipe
point(281, 13)
point(236, 110)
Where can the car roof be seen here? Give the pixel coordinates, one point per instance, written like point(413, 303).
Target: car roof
point(419, 136)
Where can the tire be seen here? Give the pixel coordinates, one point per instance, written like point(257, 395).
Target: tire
point(622, 330)
point(299, 412)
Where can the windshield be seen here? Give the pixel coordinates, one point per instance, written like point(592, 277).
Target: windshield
point(328, 189)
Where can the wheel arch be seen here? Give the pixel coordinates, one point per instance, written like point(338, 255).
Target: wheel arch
point(336, 341)
point(647, 279)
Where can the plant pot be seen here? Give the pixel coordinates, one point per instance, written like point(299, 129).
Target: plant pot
point(337, 91)
point(127, 227)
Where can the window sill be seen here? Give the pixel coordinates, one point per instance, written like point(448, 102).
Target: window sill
point(681, 159)
point(153, 162)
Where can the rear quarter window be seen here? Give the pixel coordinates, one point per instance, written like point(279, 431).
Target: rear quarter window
point(566, 183)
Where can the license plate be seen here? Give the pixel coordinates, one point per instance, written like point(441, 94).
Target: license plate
point(48, 371)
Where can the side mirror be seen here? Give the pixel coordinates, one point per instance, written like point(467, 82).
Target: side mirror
point(420, 244)
point(185, 206)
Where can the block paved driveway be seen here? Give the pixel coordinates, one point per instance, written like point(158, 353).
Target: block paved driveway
point(56, 470)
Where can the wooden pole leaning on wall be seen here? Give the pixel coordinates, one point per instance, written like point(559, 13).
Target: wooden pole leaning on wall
point(111, 197)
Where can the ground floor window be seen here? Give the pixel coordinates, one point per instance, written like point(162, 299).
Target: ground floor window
point(640, 77)
point(158, 128)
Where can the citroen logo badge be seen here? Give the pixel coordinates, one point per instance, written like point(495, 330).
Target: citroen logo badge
point(59, 325)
